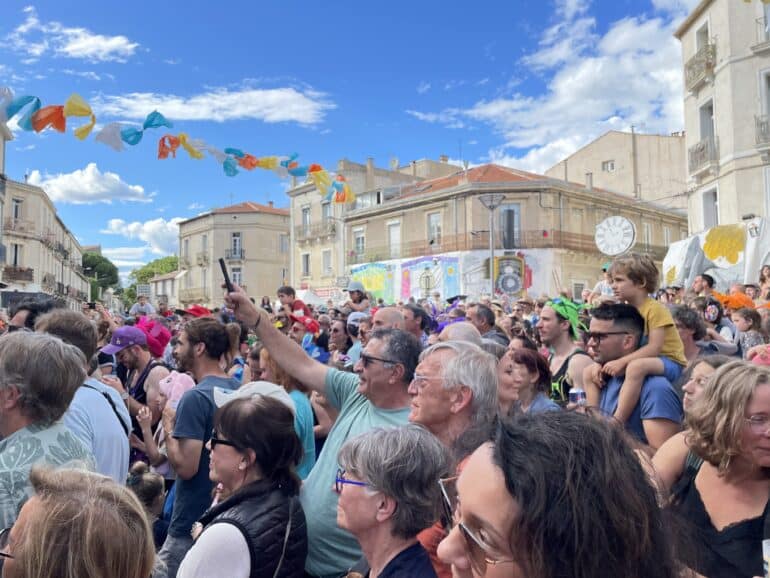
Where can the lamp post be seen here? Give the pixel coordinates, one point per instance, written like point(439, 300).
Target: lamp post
point(491, 201)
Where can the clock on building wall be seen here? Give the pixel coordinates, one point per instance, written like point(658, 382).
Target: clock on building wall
point(615, 235)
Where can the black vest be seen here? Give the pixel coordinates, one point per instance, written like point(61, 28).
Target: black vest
point(273, 524)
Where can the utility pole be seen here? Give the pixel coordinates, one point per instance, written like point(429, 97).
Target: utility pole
point(491, 202)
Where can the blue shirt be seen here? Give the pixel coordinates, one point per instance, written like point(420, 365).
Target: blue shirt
point(195, 420)
point(542, 403)
point(303, 425)
point(658, 400)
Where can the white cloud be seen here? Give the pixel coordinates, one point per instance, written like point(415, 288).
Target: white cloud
point(127, 264)
point(630, 75)
point(161, 235)
point(35, 39)
point(87, 74)
point(681, 7)
point(88, 186)
point(286, 104)
point(125, 253)
point(423, 87)
point(194, 206)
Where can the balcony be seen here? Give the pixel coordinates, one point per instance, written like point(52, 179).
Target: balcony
point(234, 255)
point(19, 227)
point(202, 258)
point(23, 274)
point(60, 290)
point(323, 230)
point(530, 239)
point(193, 295)
point(762, 136)
point(763, 37)
point(703, 157)
point(49, 282)
point(700, 67)
point(184, 263)
point(48, 238)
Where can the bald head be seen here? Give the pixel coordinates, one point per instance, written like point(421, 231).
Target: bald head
point(461, 331)
point(388, 318)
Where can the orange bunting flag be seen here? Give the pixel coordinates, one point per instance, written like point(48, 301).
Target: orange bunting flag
point(52, 116)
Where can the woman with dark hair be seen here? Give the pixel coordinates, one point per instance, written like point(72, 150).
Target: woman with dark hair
point(265, 304)
point(531, 377)
point(257, 528)
point(534, 504)
point(340, 341)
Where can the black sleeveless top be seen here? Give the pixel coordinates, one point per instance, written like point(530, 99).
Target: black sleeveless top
point(733, 552)
point(560, 385)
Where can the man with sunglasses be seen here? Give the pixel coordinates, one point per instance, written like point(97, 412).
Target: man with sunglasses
point(374, 396)
point(615, 331)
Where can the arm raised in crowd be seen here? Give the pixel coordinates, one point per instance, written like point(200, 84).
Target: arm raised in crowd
point(288, 354)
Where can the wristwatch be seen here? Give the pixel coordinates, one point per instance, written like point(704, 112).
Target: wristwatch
point(124, 396)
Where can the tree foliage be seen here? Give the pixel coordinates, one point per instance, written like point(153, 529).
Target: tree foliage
point(102, 273)
point(157, 267)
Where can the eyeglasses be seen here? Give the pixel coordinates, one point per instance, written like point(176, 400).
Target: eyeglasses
point(5, 536)
point(215, 441)
point(366, 359)
point(478, 552)
point(420, 381)
point(598, 335)
point(341, 480)
point(759, 424)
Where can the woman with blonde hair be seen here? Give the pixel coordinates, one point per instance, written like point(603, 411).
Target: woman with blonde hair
point(78, 525)
point(724, 495)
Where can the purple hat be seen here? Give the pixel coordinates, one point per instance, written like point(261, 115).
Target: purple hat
point(123, 337)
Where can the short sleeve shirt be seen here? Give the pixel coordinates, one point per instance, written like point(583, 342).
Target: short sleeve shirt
point(332, 550)
point(656, 316)
point(195, 420)
point(303, 425)
point(658, 400)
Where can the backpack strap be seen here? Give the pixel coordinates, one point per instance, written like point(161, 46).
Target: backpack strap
point(112, 405)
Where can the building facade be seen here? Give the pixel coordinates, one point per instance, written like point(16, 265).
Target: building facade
point(252, 238)
point(726, 57)
point(317, 233)
point(434, 235)
point(643, 166)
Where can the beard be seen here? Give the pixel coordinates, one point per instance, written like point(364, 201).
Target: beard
point(184, 362)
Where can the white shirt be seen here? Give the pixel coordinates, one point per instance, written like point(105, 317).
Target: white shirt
point(221, 550)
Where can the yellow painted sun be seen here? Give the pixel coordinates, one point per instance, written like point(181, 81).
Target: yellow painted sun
point(671, 276)
point(725, 242)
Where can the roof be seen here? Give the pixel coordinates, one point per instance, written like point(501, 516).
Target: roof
point(696, 12)
point(251, 207)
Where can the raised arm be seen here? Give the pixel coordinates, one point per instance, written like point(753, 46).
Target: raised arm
point(286, 353)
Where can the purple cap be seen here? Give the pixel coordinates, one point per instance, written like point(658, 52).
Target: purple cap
point(124, 337)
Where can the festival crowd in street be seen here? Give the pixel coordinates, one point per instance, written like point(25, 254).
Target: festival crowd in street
point(624, 432)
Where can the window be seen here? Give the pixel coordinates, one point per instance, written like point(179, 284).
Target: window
point(204, 242)
point(326, 255)
point(710, 209)
point(577, 290)
point(608, 166)
point(306, 264)
point(666, 236)
point(204, 274)
point(235, 245)
point(237, 276)
point(186, 248)
point(16, 255)
point(16, 208)
point(434, 229)
point(702, 36)
point(359, 241)
point(326, 211)
point(647, 235)
point(394, 239)
point(510, 224)
point(283, 243)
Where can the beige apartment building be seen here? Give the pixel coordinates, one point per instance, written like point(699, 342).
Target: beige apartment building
point(649, 167)
point(42, 255)
point(433, 235)
point(318, 258)
point(726, 56)
point(252, 238)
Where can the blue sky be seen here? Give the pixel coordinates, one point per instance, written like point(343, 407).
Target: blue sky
point(522, 83)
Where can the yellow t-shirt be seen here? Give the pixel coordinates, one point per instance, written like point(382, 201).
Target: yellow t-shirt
point(657, 315)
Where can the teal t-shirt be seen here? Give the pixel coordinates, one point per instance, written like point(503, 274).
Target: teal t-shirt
point(303, 425)
point(332, 550)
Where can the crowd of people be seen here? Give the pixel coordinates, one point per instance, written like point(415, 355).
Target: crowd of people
point(625, 433)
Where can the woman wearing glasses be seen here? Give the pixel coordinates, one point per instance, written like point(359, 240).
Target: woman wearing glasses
point(257, 529)
point(724, 492)
point(534, 504)
point(388, 493)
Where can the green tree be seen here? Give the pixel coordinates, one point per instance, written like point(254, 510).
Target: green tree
point(101, 272)
point(144, 274)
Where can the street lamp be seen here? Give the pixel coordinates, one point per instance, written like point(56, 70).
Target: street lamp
point(491, 201)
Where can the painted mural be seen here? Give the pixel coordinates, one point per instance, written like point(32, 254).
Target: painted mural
point(426, 275)
point(378, 278)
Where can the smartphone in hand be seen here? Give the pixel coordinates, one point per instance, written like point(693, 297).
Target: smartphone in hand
point(228, 283)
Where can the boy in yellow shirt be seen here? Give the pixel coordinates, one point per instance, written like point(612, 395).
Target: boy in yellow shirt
point(634, 277)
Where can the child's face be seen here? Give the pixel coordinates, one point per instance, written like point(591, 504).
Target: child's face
point(741, 323)
point(624, 288)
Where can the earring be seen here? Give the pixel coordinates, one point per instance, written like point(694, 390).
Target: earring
point(241, 466)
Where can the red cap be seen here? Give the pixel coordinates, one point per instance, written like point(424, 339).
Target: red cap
point(194, 310)
point(310, 324)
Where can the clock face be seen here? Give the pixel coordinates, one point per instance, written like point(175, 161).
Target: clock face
point(615, 235)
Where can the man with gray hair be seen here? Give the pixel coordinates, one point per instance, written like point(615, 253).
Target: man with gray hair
point(454, 396)
point(39, 375)
point(461, 331)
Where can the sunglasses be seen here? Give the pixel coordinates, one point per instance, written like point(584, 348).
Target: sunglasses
point(478, 552)
point(367, 359)
point(216, 441)
point(598, 335)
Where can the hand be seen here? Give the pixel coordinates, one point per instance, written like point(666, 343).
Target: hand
point(114, 383)
point(144, 417)
point(244, 309)
point(594, 375)
point(712, 333)
point(169, 418)
point(615, 368)
point(757, 350)
point(136, 443)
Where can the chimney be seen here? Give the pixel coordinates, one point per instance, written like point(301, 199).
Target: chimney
point(443, 159)
point(414, 168)
point(589, 181)
point(369, 173)
point(270, 204)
